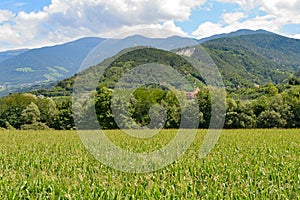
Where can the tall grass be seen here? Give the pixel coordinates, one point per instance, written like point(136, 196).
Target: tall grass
point(245, 164)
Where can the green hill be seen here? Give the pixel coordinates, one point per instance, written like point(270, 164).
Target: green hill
point(123, 64)
point(255, 59)
point(244, 61)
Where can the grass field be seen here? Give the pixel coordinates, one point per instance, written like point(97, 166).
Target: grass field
point(245, 164)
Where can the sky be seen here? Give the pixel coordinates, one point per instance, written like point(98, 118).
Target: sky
point(36, 23)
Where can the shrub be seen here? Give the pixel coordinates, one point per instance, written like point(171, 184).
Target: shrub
point(35, 126)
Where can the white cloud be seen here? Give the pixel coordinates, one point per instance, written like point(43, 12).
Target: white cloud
point(65, 20)
point(278, 13)
point(166, 29)
point(230, 18)
point(268, 23)
point(245, 4)
point(287, 11)
point(103, 14)
point(6, 15)
point(207, 29)
point(170, 25)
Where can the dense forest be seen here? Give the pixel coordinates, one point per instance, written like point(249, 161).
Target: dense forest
point(271, 109)
point(248, 105)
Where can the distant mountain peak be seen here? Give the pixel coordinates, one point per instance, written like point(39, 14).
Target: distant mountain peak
point(240, 32)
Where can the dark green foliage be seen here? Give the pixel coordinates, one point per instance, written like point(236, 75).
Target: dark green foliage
point(294, 80)
point(292, 97)
point(148, 56)
point(143, 100)
point(238, 115)
point(270, 119)
point(274, 108)
point(171, 103)
point(103, 109)
point(64, 120)
point(204, 102)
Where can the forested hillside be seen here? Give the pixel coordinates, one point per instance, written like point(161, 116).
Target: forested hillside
point(255, 59)
point(268, 106)
point(39, 67)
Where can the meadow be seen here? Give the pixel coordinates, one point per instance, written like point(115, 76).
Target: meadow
point(245, 164)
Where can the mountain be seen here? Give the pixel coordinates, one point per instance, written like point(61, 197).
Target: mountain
point(255, 59)
point(11, 53)
point(112, 47)
point(113, 69)
point(234, 34)
point(49, 64)
point(244, 58)
point(243, 61)
point(43, 65)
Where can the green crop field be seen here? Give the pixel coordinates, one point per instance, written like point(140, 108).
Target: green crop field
point(245, 164)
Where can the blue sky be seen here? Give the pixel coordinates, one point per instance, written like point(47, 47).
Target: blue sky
point(26, 6)
point(35, 23)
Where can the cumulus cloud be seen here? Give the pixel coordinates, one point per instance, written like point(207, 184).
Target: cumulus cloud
point(167, 29)
point(64, 20)
point(230, 18)
point(245, 4)
point(207, 29)
point(287, 11)
point(106, 15)
point(277, 13)
point(6, 15)
point(265, 22)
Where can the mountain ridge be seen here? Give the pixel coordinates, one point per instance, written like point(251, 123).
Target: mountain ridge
point(242, 41)
point(240, 32)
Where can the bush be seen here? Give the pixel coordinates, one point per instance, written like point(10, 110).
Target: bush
point(35, 126)
point(270, 119)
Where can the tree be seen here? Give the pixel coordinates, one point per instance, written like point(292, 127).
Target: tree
point(271, 89)
point(103, 108)
point(11, 108)
point(31, 116)
point(172, 105)
point(204, 102)
point(270, 119)
point(239, 115)
point(48, 110)
point(292, 97)
point(64, 120)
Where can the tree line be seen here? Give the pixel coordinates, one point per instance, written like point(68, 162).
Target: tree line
point(273, 109)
